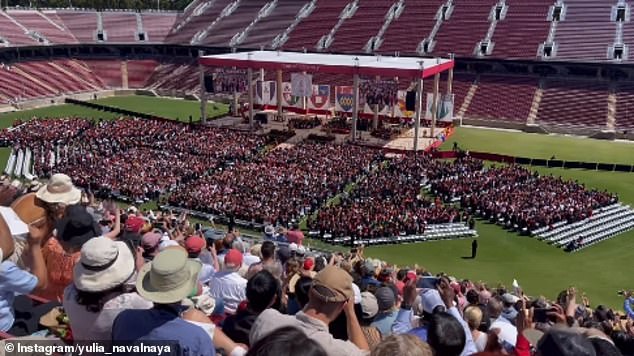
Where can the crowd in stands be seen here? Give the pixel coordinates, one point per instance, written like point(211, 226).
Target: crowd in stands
point(155, 278)
point(133, 158)
point(513, 195)
point(388, 202)
point(279, 188)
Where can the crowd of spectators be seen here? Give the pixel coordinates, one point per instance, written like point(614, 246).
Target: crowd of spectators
point(304, 123)
point(279, 188)
point(132, 158)
point(387, 202)
point(382, 92)
point(515, 196)
point(152, 277)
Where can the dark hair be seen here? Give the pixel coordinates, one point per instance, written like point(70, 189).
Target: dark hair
point(94, 301)
point(473, 297)
point(302, 287)
point(286, 341)
point(401, 274)
point(445, 334)
point(262, 289)
point(267, 250)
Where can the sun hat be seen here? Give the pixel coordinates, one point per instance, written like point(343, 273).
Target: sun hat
point(369, 305)
point(194, 244)
point(59, 189)
point(169, 278)
point(431, 300)
point(167, 243)
point(332, 284)
point(103, 264)
point(269, 230)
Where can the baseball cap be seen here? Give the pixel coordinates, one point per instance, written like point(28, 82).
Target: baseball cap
point(385, 298)
point(309, 263)
point(134, 223)
point(194, 244)
point(150, 240)
point(332, 284)
point(233, 259)
point(369, 305)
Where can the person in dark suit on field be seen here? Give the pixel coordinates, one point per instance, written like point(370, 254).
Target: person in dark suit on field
point(474, 248)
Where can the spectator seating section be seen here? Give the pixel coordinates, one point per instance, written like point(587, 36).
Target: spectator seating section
point(532, 19)
point(139, 72)
point(467, 26)
point(263, 33)
point(192, 23)
point(82, 25)
point(227, 27)
point(323, 18)
point(586, 33)
point(120, 27)
point(603, 224)
point(179, 77)
point(355, 32)
point(574, 103)
point(415, 23)
point(157, 25)
point(44, 23)
point(13, 33)
point(625, 107)
point(436, 232)
point(503, 98)
point(109, 70)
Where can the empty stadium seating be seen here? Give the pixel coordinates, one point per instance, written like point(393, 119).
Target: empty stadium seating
point(120, 27)
point(201, 14)
point(139, 71)
point(157, 25)
point(503, 98)
point(265, 31)
point(83, 25)
point(586, 33)
point(227, 27)
point(13, 33)
point(574, 103)
point(625, 107)
point(319, 23)
point(467, 26)
point(108, 70)
point(414, 24)
point(40, 22)
point(532, 18)
point(357, 30)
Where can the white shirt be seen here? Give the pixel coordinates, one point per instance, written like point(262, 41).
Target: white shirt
point(87, 325)
point(508, 332)
point(230, 287)
point(207, 271)
point(250, 259)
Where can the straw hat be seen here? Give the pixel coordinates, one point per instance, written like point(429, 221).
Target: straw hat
point(103, 265)
point(169, 277)
point(59, 189)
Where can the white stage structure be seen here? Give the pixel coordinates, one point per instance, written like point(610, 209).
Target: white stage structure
point(417, 69)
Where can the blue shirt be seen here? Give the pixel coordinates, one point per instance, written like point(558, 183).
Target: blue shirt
point(627, 305)
point(383, 321)
point(13, 280)
point(162, 324)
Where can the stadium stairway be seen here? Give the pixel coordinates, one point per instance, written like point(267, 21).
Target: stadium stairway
point(605, 223)
point(437, 232)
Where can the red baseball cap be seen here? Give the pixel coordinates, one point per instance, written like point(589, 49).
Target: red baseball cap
point(233, 259)
point(194, 244)
point(134, 223)
point(309, 263)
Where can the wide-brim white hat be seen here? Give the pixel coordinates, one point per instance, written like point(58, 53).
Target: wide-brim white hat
point(59, 189)
point(169, 278)
point(103, 265)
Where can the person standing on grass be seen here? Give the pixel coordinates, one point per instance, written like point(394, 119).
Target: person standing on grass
point(474, 248)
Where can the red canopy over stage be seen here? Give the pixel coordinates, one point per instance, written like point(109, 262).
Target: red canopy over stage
point(375, 66)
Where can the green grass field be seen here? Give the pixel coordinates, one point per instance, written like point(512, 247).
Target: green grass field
point(170, 108)
point(599, 271)
point(541, 269)
point(543, 146)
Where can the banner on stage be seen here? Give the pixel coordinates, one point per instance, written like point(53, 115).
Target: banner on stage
point(320, 98)
point(344, 98)
point(444, 107)
point(288, 99)
point(302, 84)
point(266, 93)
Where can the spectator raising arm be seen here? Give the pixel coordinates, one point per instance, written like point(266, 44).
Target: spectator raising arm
point(37, 234)
point(355, 334)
